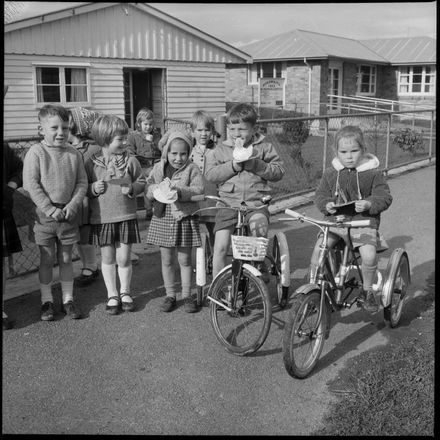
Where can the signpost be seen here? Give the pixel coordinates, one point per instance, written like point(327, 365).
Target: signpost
point(271, 92)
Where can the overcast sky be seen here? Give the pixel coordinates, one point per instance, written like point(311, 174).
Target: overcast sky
point(243, 23)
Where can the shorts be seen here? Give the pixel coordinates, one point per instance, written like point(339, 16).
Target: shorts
point(362, 236)
point(227, 219)
point(47, 230)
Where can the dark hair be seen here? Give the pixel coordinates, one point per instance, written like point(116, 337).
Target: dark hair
point(106, 128)
point(54, 110)
point(242, 112)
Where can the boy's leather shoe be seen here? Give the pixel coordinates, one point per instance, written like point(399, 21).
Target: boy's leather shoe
point(47, 312)
point(71, 310)
point(168, 304)
point(190, 305)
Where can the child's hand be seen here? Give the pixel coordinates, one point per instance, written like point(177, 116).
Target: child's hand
point(249, 165)
point(99, 187)
point(69, 213)
point(58, 215)
point(362, 205)
point(330, 207)
point(238, 166)
point(127, 189)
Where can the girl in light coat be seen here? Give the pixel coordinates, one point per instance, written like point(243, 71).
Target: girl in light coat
point(172, 226)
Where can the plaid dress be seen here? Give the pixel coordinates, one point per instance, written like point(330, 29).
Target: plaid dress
point(166, 231)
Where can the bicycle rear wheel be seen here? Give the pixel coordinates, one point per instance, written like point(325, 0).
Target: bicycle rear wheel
point(302, 345)
point(396, 283)
point(244, 329)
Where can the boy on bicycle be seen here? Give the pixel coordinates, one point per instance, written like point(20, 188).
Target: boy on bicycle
point(241, 177)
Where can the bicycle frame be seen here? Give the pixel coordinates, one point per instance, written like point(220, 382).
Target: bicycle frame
point(325, 279)
point(242, 229)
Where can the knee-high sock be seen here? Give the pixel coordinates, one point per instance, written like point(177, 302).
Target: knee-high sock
point(46, 293)
point(109, 275)
point(368, 273)
point(125, 274)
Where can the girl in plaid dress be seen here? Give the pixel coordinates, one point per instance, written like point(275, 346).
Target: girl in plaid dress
point(172, 226)
point(115, 179)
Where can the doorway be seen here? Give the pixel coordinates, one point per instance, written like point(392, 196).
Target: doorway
point(335, 86)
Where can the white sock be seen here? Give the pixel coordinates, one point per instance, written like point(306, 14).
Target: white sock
point(46, 293)
point(125, 274)
point(67, 289)
point(109, 275)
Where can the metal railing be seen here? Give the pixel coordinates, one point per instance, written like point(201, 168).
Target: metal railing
point(304, 145)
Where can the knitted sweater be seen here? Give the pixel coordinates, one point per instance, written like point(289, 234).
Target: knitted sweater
point(146, 152)
point(54, 175)
point(112, 206)
point(365, 182)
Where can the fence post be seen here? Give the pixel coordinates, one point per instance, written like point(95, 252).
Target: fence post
point(326, 120)
point(387, 150)
point(220, 126)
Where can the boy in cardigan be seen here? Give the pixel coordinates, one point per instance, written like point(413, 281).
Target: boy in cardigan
point(55, 178)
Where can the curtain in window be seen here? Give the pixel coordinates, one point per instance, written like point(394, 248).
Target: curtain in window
point(40, 97)
point(78, 88)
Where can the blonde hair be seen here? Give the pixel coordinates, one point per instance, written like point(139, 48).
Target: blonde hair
point(106, 128)
point(143, 114)
point(205, 118)
point(350, 132)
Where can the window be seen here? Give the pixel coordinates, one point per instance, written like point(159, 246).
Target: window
point(417, 80)
point(366, 80)
point(266, 70)
point(64, 85)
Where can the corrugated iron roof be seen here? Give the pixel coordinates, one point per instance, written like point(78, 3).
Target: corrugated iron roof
point(416, 50)
point(304, 44)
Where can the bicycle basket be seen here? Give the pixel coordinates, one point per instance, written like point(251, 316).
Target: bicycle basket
point(249, 248)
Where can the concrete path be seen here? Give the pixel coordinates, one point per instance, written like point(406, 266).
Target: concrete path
point(153, 373)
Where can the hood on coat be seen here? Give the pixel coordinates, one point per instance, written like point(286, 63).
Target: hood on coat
point(166, 140)
point(370, 162)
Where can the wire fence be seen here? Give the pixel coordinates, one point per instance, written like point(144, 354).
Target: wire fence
point(304, 145)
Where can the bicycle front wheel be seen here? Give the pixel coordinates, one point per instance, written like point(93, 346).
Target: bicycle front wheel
point(303, 335)
point(243, 329)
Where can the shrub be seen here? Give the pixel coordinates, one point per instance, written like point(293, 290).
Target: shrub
point(408, 139)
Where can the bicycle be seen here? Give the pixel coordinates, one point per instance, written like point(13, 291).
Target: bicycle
point(338, 275)
point(240, 305)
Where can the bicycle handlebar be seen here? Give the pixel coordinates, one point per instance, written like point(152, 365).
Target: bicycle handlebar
point(202, 197)
point(336, 224)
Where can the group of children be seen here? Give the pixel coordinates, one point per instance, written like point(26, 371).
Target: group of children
point(86, 173)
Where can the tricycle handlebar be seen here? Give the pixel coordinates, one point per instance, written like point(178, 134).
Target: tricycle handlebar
point(326, 223)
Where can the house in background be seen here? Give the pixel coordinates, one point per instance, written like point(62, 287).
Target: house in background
point(113, 58)
point(309, 72)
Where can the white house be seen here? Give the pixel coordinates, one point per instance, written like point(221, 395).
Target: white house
point(113, 58)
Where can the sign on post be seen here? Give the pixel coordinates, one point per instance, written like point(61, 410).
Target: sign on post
point(271, 92)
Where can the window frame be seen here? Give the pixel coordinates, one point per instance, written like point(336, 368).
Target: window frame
point(252, 71)
point(62, 83)
point(410, 82)
point(372, 80)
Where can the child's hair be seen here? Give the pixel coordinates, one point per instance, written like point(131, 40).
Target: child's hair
point(205, 118)
point(107, 127)
point(54, 110)
point(143, 114)
point(352, 132)
point(242, 113)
